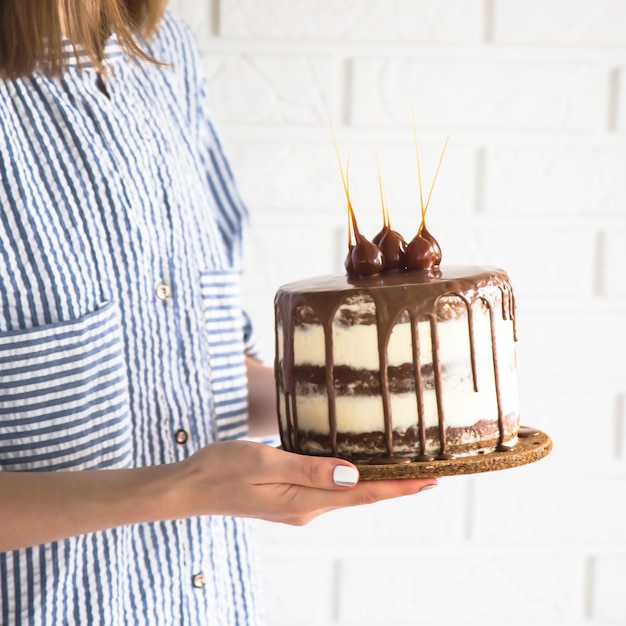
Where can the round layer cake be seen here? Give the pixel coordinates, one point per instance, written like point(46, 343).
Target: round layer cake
point(401, 365)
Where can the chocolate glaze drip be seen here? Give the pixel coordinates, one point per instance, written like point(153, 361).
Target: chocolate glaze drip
point(419, 293)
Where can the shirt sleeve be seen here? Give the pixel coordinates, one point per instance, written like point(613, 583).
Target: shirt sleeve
point(233, 216)
point(232, 212)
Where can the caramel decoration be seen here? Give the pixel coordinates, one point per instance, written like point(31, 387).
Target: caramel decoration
point(433, 242)
point(423, 251)
point(389, 242)
point(364, 258)
point(419, 254)
point(393, 248)
point(388, 250)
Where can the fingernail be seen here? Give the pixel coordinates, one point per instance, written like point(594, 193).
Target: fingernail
point(427, 487)
point(345, 476)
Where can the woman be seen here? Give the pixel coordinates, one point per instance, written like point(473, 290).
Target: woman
point(127, 372)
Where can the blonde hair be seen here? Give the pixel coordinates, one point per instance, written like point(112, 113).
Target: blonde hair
point(31, 31)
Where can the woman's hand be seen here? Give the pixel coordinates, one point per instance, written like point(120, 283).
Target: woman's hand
point(246, 479)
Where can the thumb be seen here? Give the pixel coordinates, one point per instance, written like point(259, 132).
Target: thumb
point(318, 472)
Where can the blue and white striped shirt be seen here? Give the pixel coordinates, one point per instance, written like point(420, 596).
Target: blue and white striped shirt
point(121, 335)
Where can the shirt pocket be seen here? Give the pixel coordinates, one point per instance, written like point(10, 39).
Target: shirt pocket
point(64, 395)
point(226, 327)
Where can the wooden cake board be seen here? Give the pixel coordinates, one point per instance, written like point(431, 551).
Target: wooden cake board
point(526, 450)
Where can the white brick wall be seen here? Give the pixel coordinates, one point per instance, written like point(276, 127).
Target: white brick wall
point(533, 96)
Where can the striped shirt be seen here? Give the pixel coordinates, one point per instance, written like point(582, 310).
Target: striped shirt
point(122, 340)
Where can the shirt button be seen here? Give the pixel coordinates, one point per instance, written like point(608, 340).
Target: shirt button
point(181, 436)
point(198, 581)
point(163, 291)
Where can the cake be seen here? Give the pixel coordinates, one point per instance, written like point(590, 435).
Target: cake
point(406, 365)
point(400, 359)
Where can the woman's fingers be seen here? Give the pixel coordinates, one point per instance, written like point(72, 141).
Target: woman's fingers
point(304, 487)
point(248, 479)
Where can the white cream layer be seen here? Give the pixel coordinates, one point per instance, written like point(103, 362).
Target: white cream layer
point(358, 414)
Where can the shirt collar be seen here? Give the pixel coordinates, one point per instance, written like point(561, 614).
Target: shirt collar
point(76, 56)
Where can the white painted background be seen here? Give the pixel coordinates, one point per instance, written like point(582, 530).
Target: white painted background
point(533, 96)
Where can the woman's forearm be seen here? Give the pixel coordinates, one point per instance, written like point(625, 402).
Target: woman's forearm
point(38, 507)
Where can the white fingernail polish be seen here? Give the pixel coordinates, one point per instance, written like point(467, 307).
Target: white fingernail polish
point(345, 476)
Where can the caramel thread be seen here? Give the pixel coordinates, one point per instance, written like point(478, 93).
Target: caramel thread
point(419, 173)
point(445, 145)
